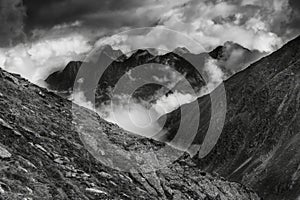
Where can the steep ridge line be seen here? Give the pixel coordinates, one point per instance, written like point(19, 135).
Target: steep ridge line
point(42, 156)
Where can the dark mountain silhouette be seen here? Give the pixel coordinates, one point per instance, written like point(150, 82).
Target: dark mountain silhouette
point(43, 155)
point(115, 69)
point(63, 81)
point(192, 65)
point(260, 142)
point(233, 57)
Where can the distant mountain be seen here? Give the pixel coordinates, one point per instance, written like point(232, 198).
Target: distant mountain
point(231, 58)
point(181, 51)
point(63, 81)
point(115, 69)
point(48, 153)
point(260, 142)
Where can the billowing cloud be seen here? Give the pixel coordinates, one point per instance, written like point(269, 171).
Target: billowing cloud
point(256, 25)
point(38, 59)
point(63, 30)
point(249, 23)
point(215, 76)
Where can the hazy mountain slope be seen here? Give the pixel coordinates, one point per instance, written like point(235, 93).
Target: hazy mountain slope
point(260, 143)
point(230, 58)
point(43, 157)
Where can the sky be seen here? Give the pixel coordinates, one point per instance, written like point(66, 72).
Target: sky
point(38, 37)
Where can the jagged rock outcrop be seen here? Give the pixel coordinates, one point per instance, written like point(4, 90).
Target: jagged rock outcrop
point(260, 142)
point(63, 81)
point(42, 155)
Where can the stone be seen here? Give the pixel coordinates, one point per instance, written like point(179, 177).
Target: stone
point(3, 123)
point(94, 190)
point(4, 153)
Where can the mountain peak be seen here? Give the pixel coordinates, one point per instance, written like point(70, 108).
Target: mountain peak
point(181, 50)
point(226, 50)
point(141, 52)
point(217, 52)
point(110, 52)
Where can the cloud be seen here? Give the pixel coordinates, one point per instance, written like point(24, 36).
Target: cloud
point(79, 98)
point(93, 13)
point(12, 13)
point(215, 76)
point(171, 102)
point(256, 25)
point(215, 23)
point(135, 116)
point(130, 115)
point(295, 19)
point(38, 59)
point(236, 58)
point(159, 37)
point(63, 30)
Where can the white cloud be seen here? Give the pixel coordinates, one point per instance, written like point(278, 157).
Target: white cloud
point(196, 21)
point(138, 117)
point(131, 116)
point(159, 37)
point(215, 76)
point(198, 31)
point(167, 104)
point(253, 25)
point(79, 98)
point(36, 60)
point(68, 25)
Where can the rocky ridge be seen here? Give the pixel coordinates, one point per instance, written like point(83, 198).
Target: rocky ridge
point(42, 155)
point(259, 144)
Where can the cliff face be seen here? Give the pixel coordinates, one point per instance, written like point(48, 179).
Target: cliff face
point(43, 156)
point(260, 142)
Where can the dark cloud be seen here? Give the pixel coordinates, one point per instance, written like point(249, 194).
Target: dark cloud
point(12, 13)
point(295, 21)
point(295, 4)
point(105, 13)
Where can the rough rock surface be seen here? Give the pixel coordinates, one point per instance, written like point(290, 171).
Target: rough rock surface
point(43, 157)
point(260, 142)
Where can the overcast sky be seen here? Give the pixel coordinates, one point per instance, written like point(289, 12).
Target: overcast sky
point(38, 36)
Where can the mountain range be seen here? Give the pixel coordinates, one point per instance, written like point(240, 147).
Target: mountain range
point(42, 157)
point(231, 58)
point(259, 144)
point(46, 154)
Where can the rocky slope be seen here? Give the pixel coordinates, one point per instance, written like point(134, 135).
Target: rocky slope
point(43, 156)
point(260, 142)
